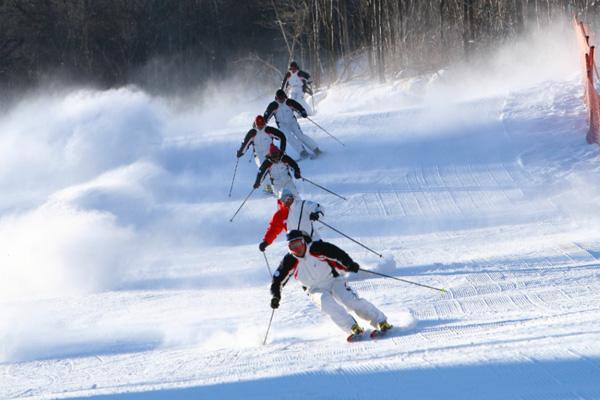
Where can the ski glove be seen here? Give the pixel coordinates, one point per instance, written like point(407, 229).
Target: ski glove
point(304, 114)
point(239, 153)
point(297, 175)
point(314, 216)
point(256, 185)
point(275, 302)
point(263, 245)
point(353, 267)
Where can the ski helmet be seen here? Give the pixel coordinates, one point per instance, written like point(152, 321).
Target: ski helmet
point(294, 64)
point(280, 94)
point(274, 153)
point(259, 122)
point(286, 194)
point(296, 234)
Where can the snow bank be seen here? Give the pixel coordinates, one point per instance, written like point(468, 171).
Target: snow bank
point(56, 250)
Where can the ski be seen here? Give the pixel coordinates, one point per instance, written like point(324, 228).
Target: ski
point(376, 333)
point(356, 337)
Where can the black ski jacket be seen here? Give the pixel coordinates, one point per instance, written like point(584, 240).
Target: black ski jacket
point(330, 253)
point(274, 105)
point(272, 131)
point(301, 74)
point(266, 165)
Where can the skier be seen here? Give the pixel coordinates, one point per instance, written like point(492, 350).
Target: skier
point(283, 110)
point(294, 213)
point(261, 137)
point(278, 165)
point(316, 265)
point(296, 83)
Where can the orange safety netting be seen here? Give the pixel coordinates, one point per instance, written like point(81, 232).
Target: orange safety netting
point(592, 99)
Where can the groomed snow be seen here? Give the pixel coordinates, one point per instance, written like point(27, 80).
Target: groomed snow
point(122, 277)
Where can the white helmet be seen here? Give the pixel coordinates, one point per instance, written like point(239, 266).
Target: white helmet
point(285, 194)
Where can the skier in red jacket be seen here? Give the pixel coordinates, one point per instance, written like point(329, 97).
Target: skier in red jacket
point(293, 213)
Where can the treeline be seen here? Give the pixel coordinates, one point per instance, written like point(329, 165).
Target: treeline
point(166, 44)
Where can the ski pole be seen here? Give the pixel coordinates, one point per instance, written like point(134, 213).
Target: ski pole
point(267, 261)
point(348, 237)
point(242, 205)
point(325, 130)
point(403, 280)
point(234, 172)
point(269, 327)
point(325, 189)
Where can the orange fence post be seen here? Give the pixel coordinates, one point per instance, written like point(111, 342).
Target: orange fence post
point(591, 97)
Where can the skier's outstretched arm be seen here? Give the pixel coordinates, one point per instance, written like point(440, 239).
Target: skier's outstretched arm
point(285, 78)
point(293, 164)
point(279, 135)
point(296, 106)
point(276, 225)
point(286, 266)
point(247, 139)
point(264, 167)
point(334, 253)
point(304, 75)
point(271, 108)
point(314, 210)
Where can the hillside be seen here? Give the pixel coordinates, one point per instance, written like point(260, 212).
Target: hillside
point(126, 279)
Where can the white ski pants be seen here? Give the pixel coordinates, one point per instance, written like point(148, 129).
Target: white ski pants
point(338, 298)
point(296, 137)
point(280, 183)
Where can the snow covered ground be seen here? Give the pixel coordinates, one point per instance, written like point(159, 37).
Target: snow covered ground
point(123, 278)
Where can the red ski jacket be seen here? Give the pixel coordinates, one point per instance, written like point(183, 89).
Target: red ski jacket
point(277, 223)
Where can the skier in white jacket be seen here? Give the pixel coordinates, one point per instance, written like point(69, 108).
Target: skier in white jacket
point(296, 83)
point(316, 266)
point(261, 137)
point(283, 111)
point(278, 165)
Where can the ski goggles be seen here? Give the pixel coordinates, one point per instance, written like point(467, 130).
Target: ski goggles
point(297, 246)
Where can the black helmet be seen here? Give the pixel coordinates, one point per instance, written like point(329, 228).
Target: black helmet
point(297, 234)
point(294, 64)
point(280, 94)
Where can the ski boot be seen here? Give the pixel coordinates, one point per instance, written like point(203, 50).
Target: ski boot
point(382, 328)
point(356, 333)
point(268, 189)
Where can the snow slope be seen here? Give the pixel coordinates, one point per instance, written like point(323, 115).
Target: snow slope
point(123, 278)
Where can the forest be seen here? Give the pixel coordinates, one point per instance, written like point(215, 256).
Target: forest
point(161, 45)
